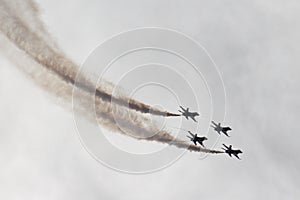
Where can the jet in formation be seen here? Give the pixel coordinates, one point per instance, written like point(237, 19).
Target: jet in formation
point(195, 138)
point(219, 128)
point(231, 151)
point(186, 113)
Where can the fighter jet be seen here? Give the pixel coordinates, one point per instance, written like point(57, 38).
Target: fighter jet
point(231, 151)
point(187, 113)
point(219, 128)
point(194, 138)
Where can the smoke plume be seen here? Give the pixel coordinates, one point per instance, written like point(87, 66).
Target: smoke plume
point(27, 36)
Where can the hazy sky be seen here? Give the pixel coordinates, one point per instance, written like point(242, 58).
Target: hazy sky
point(254, 44)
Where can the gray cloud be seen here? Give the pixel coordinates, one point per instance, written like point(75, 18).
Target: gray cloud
point(255, 45)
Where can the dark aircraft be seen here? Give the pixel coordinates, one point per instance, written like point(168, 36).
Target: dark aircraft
point(187, 113)
point(231, 151)
point(195, 139)
point(219, 128)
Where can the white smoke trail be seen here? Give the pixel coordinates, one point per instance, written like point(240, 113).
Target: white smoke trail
point(56, 73)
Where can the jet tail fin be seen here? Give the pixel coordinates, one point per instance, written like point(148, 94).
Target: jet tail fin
point(182, 108)
point(225, 146)
point(191, 133)
point(189, 137)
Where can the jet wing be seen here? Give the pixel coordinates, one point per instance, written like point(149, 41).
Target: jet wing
point(225, 134)
point(193, 118)
point(201, 143)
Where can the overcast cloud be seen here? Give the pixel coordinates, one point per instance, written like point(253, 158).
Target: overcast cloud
point(256, 47)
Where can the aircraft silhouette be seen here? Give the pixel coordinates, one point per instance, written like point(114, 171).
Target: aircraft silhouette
point(187, 113)
point(231, 151)
point(194, 138)
point(219, 128)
